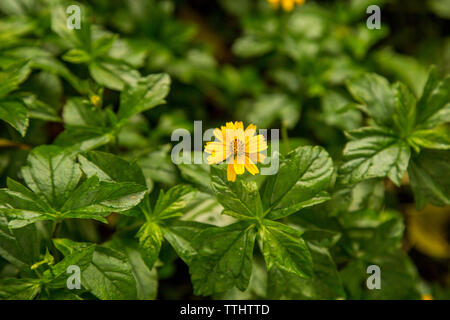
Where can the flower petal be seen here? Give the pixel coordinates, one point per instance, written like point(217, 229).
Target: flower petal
point(256, 144)
point(250, 166)
point(229, 133)
point(231, 175)
point(239, 125)
point(218, 134)
point(260, 157)
point(214, 147)
point(230, 125)
point(239, 168)
point(287, 5)
point(250, 131)
point(215, 157)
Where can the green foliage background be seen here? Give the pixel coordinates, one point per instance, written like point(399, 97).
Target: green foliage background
point(86, 118)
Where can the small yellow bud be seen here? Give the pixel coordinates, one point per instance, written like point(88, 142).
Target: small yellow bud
point(95, 100)
point(287, 5)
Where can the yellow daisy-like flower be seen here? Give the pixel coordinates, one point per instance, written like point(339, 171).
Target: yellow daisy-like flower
point(427, 296)
point(238, 147)
point(287, 5)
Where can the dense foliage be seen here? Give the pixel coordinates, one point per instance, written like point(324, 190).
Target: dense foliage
point(86, 117)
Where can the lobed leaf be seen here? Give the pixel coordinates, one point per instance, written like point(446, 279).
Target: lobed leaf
point(301, 181)
point(374, 153)
point(240, 199)
point(224, 258)
point(284, 248)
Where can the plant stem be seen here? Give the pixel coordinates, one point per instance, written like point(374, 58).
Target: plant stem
point(56, 229)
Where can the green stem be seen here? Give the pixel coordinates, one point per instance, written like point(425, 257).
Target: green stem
point(38, 273)
point(130, 228)
point(56, 229)
point(55, 232)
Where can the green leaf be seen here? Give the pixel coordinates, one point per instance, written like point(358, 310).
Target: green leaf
point(367, 194)
point(325, 283)
point(180, 234)
point(284, 248)
point(19, 196)
point(271, 107)
point(12, 77)
point(68, 247)
point(437, 138)
point(146, 278)
point(19, 289)
point(199, 174)
point(250, 46)
point(338, 111)
point(40, 110)
point(370, 234)
point(102, 45)
point(109, 167)
point(77, 112)
point(20, 218)
point(433, 107)
point(95, 199)
point(149, 92)
point(86, 127)
point(52, 174)
point(81, 139)
point(240, 199)
point(402, 67)
point(76, 56)
point(319, 227)
point(374, 153)
point(19, 246)
point(395, 285)
point(375, 93)
point(429, 177)
point(440, 8)
point(405, 115)
point(73, 38)
point(15, 112)
point(56, 276)
point(224, 259)
point(22, 206)
point(114, 74)
point(150, 240)
point(205, 208)
point(170, 203)
point(301, 181)
point(158, 166)
point(110, 276)
point(54, 66)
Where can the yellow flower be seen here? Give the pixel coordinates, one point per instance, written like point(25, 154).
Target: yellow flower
point(238, 147)
point(427, 296)
point(287, 5)
point(95, 100)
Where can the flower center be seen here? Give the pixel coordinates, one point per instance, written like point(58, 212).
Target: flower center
point(238, 146)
